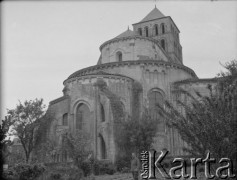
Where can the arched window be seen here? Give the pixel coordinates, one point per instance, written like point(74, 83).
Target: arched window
point(65, 119)
point(162, 42)
point(146, 31)
point(119, 56)
point(102, 148)
point(82, 113)
point(140, 31)
point(102, 112)
point(163, 28)
point(155, 98)
point(156, 29)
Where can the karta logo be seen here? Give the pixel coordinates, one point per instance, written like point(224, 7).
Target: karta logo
point(150, 164)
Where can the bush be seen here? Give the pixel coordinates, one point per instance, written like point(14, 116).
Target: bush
point(24, 171)
point(55, 176)
point(107, 168)
point(64, 172)
point(125, 170)
point(86, 168)
point(28, 171)
point(103, 167)
point(75, 175)
point(123, 164)
point(9, 175)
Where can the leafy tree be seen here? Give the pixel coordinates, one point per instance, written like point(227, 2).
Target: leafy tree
point(78, 146)
point(4, 129)
point(44, 146)
point(25, 119)
point(209, 122)
point(137, 134)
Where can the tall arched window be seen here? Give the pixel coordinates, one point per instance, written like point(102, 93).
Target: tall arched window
point(163, 28)
point(65, 119)
point(140, 31)
point(102, 112)
point(155, 98)
point(146, 31)
point(102, 147)
point(82, 113)
point(156, 29)
point(119, 56)
point(162, 42)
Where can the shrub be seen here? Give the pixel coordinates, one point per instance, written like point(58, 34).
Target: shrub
point(123, 164)
point(9, 175)
point(24, 171)
point(76, 175)
point(103, 167)
point(96, 167)
point(107, 168)
point(64, 172)
point(28, 171)
point(86, 168)
point(125, 170)
point(54, 176)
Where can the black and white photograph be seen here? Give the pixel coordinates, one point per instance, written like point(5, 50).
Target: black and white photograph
point(118, 90)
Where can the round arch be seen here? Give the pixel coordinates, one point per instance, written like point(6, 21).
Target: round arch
point(156, 96)
point(155, 29)
point(85, 117)
point(163, 43)
point(162, 27)
point(119, 56)
point(80, 101)
point(82, 117)
point(157, 90)
point(146, 30)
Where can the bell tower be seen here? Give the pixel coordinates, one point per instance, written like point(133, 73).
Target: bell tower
point(162, 28)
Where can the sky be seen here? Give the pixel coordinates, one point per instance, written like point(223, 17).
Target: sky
point(43, 42)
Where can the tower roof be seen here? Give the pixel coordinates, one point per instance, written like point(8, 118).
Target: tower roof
point(126, 33)
point(154, 14)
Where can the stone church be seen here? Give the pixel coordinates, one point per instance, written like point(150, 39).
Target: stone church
point(150, 55)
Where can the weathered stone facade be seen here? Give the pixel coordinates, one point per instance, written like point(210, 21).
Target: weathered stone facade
point(151, 56)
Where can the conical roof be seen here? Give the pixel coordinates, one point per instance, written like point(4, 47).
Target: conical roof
point(126, 33)
point(154, 14)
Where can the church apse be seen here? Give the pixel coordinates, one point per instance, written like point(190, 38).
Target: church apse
point(150, 55)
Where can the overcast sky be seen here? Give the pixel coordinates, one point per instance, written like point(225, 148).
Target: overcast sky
point(44, 42)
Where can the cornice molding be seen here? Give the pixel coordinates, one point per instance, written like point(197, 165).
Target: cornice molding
point(58, 100)
point(196, 80)
point(94, 75)
point(89, 70)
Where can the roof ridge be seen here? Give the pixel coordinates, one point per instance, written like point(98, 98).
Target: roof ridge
point(126, 33)
point(154, 14)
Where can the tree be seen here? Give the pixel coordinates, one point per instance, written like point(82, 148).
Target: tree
point(4, 129)
point(137, 134)
point(25, 119)
point(44, 146)
point(78, 146)
point(209, 122)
